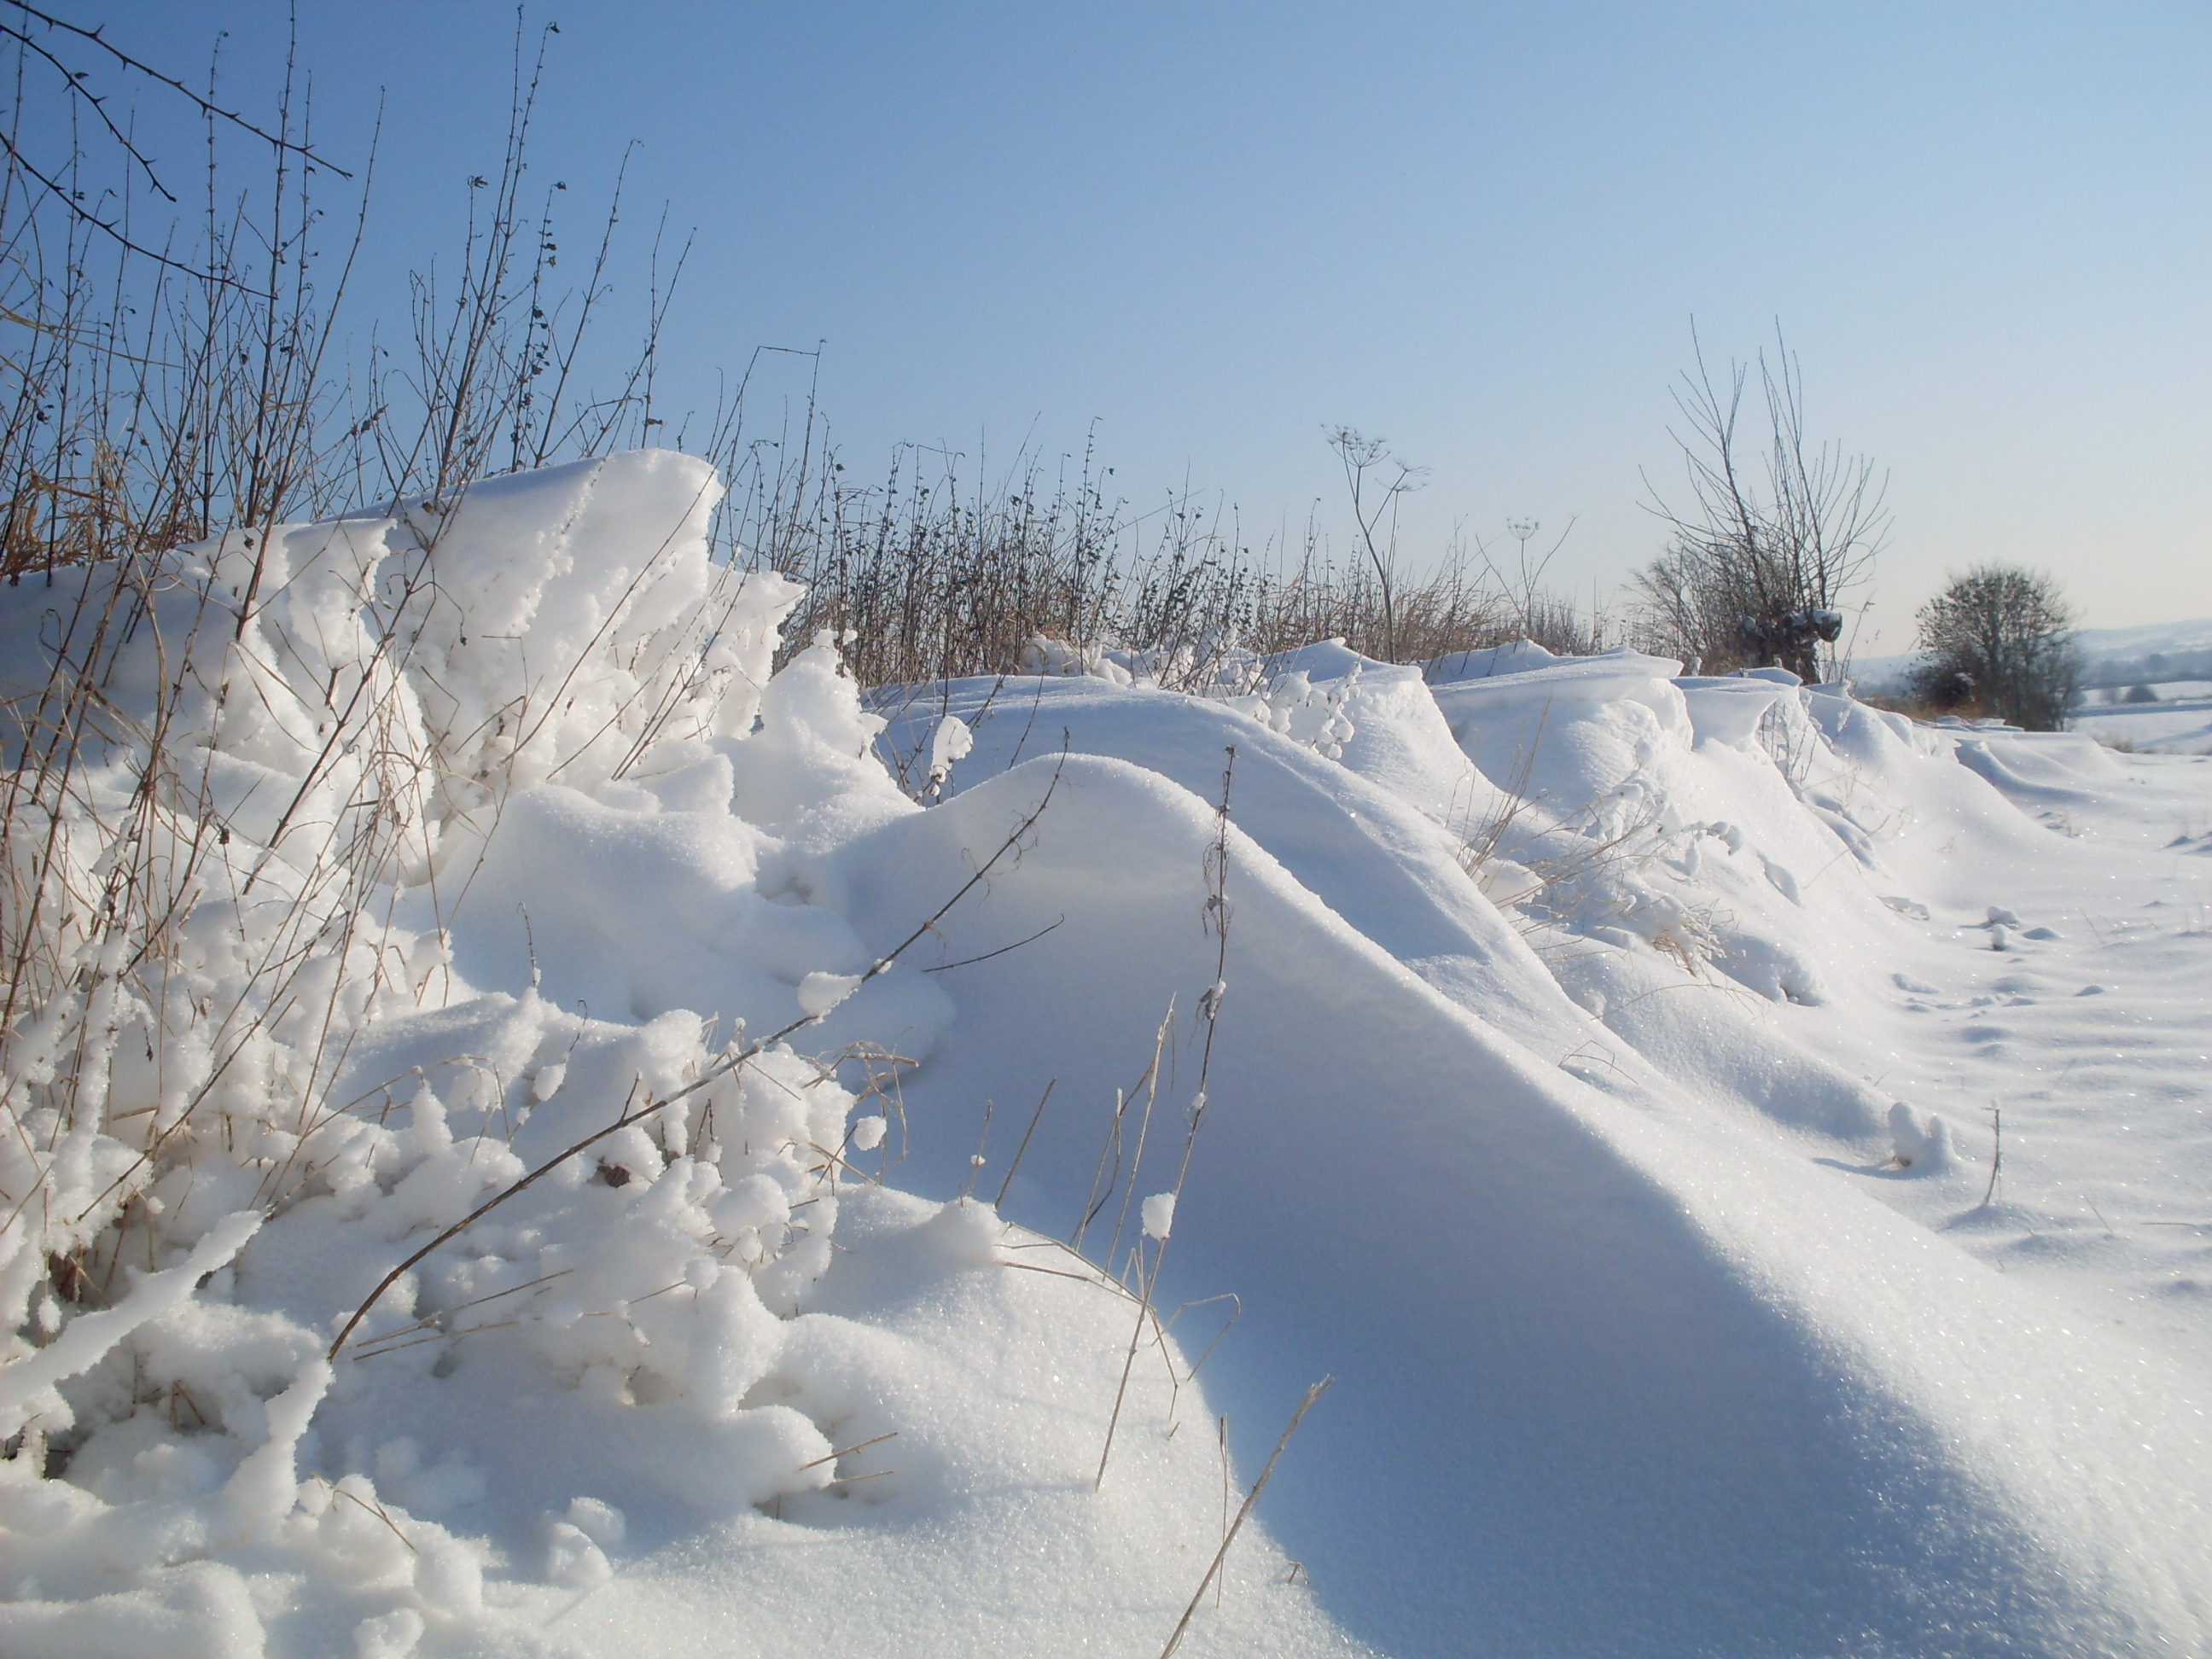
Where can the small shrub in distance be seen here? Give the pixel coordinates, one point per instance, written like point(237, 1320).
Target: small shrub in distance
point(2004, 634)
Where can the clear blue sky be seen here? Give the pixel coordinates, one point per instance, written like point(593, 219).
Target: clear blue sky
point(1480, 230)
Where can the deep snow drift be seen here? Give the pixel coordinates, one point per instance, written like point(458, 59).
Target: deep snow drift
point(1596, 1069)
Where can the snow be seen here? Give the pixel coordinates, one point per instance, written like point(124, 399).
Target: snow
point(1160, 1215)
point(1622, 1304)
point(1599, 1072)
point(2180, 723)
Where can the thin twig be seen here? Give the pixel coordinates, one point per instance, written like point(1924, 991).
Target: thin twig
point(849, 1450)
point(967, 961)
point(1034, 1118)
point(98, 39)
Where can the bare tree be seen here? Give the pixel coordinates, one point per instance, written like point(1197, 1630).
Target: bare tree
point(1757, 568)
point(2001, 636)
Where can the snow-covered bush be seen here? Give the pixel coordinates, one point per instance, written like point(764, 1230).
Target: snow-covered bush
point(260, 793)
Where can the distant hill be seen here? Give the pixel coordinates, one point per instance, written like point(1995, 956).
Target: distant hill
point(2166, 638)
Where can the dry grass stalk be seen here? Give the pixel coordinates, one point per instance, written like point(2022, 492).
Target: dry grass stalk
point(1213, 1567)
point(1209, 1009)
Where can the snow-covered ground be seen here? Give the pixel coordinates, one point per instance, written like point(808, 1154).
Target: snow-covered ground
point(2163, 690)
point(1598, 1074)
point(2178, 723)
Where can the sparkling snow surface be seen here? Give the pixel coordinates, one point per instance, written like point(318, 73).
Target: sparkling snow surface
point(1653, 1343)
point(1605, 1077)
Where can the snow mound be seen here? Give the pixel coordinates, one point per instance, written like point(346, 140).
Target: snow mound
point(1557, 997)
point(1596, 1320)
point(1514, 657)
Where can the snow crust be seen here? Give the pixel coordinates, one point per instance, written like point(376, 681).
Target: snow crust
point(1590, 1068)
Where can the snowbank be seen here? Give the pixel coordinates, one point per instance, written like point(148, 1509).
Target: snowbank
point(1612, 1365)
point(459, 893)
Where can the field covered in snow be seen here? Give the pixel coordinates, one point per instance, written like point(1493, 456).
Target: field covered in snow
point(2178, 723)
point(880, 1174)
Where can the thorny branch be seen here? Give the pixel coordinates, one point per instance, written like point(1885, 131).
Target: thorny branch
point(98, 38)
